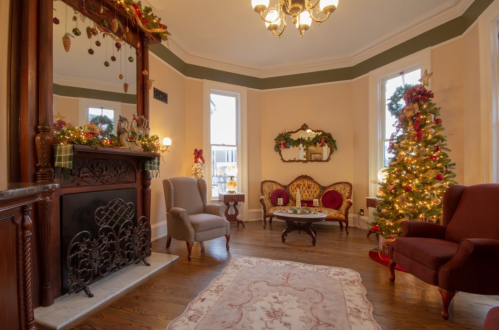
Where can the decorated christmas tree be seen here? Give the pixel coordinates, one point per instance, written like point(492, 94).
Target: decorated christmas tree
point(420, 171)
point(197, 167)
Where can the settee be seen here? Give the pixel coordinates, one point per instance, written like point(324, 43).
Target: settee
point(334, 199)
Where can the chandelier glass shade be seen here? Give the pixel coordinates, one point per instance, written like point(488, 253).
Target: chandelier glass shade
point(302, 13)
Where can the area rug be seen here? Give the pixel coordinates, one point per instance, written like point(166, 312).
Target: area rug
point(255, 293)
point(383, 259)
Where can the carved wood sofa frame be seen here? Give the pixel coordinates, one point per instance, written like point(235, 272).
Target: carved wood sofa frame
point(347, 202)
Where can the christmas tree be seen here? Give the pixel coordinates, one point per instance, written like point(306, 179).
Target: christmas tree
point(420, 171)
point(197, 167)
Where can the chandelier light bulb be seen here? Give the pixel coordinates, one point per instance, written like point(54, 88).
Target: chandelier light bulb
point(305, 19)
point(328, 5)
point(273, 16)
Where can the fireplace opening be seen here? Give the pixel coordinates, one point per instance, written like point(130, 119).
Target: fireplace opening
point(100, 235)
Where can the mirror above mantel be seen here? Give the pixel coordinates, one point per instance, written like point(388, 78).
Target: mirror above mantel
point(305, 145)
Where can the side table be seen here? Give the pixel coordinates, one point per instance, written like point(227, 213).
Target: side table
point(234, 198)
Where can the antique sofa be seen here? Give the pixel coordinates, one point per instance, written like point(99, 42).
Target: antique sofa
point(334, 199)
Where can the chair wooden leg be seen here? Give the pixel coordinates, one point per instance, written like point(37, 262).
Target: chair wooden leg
point(446, 299)
point(346, 227)
point(264, 221)
point(391, 266)
point(227, 236)
point(341, 225)
point(270, 221)
point(168, 241)
point(189, 249)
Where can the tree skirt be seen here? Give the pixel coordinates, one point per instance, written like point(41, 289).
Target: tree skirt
point(383, 259)
point(256, 293)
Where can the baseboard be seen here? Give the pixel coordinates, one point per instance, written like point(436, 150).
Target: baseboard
point(158, 230)
point(255, 215)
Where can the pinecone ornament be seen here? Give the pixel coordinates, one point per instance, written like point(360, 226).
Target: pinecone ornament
point(89, 32)
point(114, 25)
point(66, 41)
point(125, 87)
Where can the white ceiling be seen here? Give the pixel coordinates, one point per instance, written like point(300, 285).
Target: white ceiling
point(228, 34)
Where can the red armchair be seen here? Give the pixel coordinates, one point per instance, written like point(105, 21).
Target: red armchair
point(462, 254)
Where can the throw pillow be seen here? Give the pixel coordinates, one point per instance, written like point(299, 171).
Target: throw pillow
point(279, 193)
point(332, 199)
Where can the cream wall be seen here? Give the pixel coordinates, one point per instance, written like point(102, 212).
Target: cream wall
point(324, 107)
point(167, 120)
point(67, 107)
point(193, 121)
point(254, 148)
point(4, 46)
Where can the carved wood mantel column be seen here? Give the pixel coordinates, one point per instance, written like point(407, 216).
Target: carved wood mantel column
point(45, 224)
point(27, 270)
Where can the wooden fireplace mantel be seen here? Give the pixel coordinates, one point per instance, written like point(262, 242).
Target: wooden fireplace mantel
point(79, 150)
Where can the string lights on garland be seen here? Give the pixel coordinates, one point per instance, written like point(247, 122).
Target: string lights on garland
point(284, 140)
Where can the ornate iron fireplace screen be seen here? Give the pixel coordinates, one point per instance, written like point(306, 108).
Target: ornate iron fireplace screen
point(119, 243)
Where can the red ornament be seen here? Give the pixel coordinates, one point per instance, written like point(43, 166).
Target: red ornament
point(437, 148)
point(434, 158)
point(408, 188)
point(417, 122)
point(137, 10)
point(440, 177)
point(375, 228)
point(56, 20)
point(113, 58)
point(91, 51)
point(419, 135)
point(392, 187)
point(118, 45)
point(438, 121)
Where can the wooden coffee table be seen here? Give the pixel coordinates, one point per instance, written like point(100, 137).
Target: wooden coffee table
point(308, 219)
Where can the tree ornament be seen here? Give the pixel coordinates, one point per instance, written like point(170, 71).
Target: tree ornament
point(66, 42)
point(76, 32)
point(138, 53)
point(401, 200)
point(435, 200)
point(89, 32)
point(56, 21)
point(91, 51)
point(375, 228)
point(408, 188)
point(425, 80)
point(131, 59)
point(118, 46)
point(438, 121)
point(120, 76)
point(434, 159)
point(113, 58)
point(105, 25)
point(94, 31)
point(106, 63)
point(97, 43)
point(437, 148)
point(125, 87)
point(440, 177)
point(419, 185)
point(75, 18)
point(114, 25)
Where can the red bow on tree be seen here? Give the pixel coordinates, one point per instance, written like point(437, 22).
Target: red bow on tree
point(198, 154)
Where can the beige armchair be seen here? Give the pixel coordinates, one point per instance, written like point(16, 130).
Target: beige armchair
point(189, 218)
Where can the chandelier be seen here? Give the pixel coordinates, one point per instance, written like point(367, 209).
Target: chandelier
point(301, 11)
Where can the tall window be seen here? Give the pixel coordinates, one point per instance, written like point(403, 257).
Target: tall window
point(95, 112)
point(389, 85)
point(224, 138)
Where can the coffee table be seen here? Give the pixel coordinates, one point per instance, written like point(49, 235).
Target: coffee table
point(308, 219)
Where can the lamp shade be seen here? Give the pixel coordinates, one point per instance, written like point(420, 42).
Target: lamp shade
point(231, 170)
point(167, 141)
point(327, 3)
point(255, 3)
point(271, 17)
point(305, 19)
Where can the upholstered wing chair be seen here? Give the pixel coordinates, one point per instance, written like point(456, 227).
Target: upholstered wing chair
point(462, 254)
point(189, 218)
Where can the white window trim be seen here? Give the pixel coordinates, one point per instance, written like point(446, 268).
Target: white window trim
point(489, 96)
point(242, 138)
point(421, 59)
point(84, 104)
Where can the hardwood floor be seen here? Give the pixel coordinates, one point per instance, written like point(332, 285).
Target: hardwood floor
point(407, 304)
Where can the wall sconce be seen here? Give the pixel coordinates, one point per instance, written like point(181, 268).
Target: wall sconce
point(167, 142)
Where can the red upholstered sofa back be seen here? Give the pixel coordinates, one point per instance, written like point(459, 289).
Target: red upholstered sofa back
point(474, 212)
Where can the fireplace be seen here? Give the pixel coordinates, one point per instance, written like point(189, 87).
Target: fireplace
point(100, 234)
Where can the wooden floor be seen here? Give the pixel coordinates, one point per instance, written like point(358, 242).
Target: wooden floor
point(407, 304)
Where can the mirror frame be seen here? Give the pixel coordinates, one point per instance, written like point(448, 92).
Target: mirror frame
point(30, 83)
point(305, 127)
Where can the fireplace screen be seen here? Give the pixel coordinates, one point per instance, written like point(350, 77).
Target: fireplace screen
point(114, 241)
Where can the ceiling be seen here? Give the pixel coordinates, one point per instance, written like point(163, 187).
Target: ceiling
point(228, 32)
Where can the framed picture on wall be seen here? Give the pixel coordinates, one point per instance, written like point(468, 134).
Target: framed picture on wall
point(315, 156)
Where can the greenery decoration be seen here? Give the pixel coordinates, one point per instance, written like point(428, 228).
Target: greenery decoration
point(104, 120)
point(146, 18)
point(396, 105)
point(284, 140)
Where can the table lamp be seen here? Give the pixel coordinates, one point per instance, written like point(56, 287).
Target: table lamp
point(231, 184)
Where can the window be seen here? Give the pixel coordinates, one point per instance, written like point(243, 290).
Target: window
point(95, 112)
point(388, 87)
point(224, 138)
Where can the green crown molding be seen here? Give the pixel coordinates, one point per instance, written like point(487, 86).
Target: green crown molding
point(435, 36)
point(94, 94)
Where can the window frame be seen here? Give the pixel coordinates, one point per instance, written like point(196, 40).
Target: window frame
point(421, 60)
point(102, 110)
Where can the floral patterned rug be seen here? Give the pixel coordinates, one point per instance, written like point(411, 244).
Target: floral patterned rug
point(257, 294)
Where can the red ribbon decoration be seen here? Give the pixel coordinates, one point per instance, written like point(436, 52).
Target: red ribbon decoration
point(198, 155)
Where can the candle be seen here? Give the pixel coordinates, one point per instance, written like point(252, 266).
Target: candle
point(316, 202)
point(279, 201)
